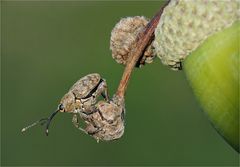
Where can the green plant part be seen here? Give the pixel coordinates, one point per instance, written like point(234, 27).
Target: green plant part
point(213, 72)
point(184, 25)
point(202, 37)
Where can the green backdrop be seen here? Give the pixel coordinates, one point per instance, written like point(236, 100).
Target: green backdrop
point(47, 46)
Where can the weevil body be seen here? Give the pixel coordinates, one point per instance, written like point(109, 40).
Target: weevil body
point(83, 94)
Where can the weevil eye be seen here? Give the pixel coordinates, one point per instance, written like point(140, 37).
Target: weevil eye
point(61, 107)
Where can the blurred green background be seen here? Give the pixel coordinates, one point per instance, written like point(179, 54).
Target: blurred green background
point(47, 46)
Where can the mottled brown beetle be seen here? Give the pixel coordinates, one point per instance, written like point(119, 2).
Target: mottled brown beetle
point(80, 99)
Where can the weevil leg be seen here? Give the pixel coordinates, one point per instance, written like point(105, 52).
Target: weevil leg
point(101, 90)
point(104, 90)
point(105, 95)
point(75, 122)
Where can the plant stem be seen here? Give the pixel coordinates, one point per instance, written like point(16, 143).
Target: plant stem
point(144, 39)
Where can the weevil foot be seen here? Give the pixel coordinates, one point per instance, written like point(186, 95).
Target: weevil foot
point(75, 122)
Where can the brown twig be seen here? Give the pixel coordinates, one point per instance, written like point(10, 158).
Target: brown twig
point(143, 40)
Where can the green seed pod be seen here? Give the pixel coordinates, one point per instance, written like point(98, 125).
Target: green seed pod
point(213, 73)
point(204, 37)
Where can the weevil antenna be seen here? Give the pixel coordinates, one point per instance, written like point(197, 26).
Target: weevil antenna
point(49, 121)
point(41, 121)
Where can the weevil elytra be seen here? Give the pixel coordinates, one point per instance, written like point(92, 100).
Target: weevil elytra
point(104, 119)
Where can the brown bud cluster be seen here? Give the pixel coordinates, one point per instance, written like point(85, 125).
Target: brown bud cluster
point(124, 35)
point(108, 122)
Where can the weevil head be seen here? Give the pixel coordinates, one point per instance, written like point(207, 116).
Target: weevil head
point(69, 103)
